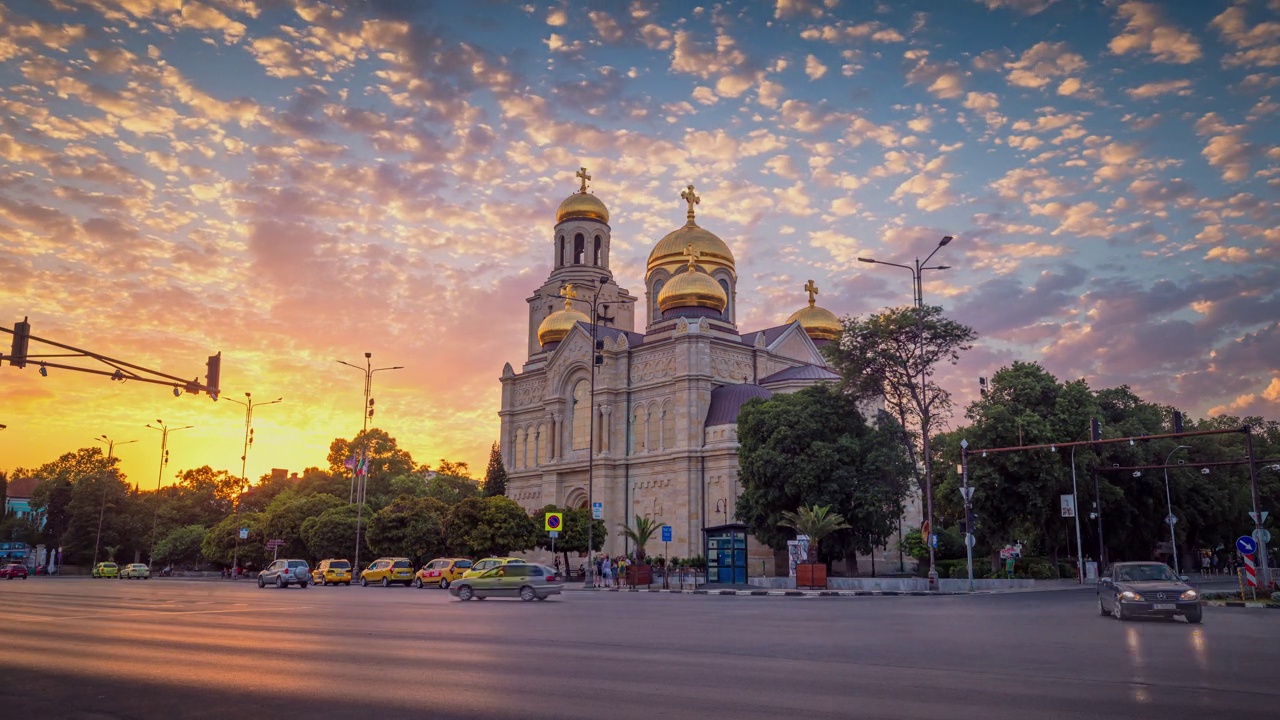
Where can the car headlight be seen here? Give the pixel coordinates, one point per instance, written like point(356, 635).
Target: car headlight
point(1130, 595)
point(1190, 595)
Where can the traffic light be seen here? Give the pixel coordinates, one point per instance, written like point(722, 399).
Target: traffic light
point(370, 407)
point(213, 374)
point(1095, 434)
point(21, 338)
point(1177, 421)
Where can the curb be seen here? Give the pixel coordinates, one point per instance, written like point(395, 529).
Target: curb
point(785, 593)
point(1239, 604)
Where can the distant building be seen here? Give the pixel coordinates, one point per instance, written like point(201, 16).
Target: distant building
point(18, 497)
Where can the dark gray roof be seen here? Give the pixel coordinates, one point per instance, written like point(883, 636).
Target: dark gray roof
point(604, 331)
point(770, 334)
point(802, 372)
point(727, 400)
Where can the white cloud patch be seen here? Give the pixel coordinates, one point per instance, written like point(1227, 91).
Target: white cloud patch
point(1147, 31)
point(1042, 63)
point(1256, 46)
point(1150, 90)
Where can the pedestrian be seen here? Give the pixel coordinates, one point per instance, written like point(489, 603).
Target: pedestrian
point(1213, 563)
point(622, 571)
point(606, 571)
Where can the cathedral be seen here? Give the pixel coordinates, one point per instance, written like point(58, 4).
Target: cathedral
point(654, 428)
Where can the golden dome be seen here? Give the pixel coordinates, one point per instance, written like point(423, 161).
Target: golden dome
point(818, 323)
point(692, 288)
point(557, 325)
point(670, 250)
point(582, 204)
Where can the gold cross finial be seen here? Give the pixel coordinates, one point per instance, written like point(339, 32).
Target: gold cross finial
point(583, 175)
point(692, 254)
point(692, 199)
point(569, 294)
point(812, 290)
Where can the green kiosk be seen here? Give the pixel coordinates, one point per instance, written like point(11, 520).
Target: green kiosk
point(725, 548)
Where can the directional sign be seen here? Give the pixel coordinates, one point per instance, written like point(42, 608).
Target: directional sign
point(554, 522)
point(597, 510)
point(554, 534)
point(275, 542)
point(933, 541)
point(1246, 545)
point(244, 533)
point(666, 533)
point(1263, 536)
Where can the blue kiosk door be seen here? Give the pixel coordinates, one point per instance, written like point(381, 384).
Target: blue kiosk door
point(727, 554)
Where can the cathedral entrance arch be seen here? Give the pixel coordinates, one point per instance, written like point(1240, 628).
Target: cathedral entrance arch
point(577, 499)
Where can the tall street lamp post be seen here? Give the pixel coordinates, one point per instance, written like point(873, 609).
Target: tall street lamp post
point(102, 510)
point(918, 291)
point(164, 460)
point(249, 405)
point(596, 359)
point(1169, 519)
point(368, 371)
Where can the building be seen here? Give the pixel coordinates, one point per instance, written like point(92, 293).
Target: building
point(664, 420)
point(17, 499)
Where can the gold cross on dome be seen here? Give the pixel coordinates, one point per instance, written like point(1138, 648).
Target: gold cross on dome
point(583, 175)
point(569, 294)
point(690, 198)
point(812, 290)
point(692, 254)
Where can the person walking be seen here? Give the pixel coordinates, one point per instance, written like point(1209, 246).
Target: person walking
point(606, 571)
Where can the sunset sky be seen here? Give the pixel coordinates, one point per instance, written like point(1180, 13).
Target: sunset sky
point(294, 183)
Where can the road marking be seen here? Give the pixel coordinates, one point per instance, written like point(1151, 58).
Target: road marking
point(107, 615)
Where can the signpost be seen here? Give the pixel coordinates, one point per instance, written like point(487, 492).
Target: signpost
point(274, 544)
point(553, 522)
point(1247, 547)
point(597, 511)
point(666, 554)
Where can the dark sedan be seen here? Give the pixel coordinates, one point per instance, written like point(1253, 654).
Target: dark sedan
point(1147, 588)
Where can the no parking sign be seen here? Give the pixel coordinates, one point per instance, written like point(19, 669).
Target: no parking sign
point(554, 522)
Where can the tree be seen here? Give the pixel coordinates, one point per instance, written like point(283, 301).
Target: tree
point(450, 489)
point(182, 545)
point(332, 534)
point(385, 461)
point(283, 518)
point(814, 447)
point(573, 532)
point(495, 476)
point(816, 522)
point(221, 541)
point(409, 527)
point(490, 526)
point(640, 534)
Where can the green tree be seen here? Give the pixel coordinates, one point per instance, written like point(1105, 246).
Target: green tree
point(332, 534)
point(409, 527)
point(814, 447)
point(497, 525)
point(573, 532)
point(640, 533)
point(385, 461)
point(221, 542)
point(495, 476)
point(182, 545)
point(283, 519)
point(450, 489)
point(816, 522)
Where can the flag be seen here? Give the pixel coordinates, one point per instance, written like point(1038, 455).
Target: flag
point(364, 467)
point(350, 463)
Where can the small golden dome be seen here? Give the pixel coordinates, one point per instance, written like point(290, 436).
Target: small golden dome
point(670, 250)
point(692, 288)
point(582, 204)
point(818, 323)
point(557, 325)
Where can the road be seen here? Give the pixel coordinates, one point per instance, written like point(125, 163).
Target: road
point(168, 648)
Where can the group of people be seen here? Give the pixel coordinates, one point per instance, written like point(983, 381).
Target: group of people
point(611, 571)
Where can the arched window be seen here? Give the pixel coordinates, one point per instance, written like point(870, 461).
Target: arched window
point(581, 415)
point(668, 426)
point(653, 299)
point(560, 251)
point(598, 259)
point(653, 438)
point(519, 463)
point(538, 454)
point(579, 249)
point(639, 430)
point(727, 315)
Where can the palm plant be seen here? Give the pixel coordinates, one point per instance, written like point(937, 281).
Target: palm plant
point(817, 522)
point(644, 530)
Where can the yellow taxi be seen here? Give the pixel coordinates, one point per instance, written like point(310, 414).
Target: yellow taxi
point(106, 569)
point(332, 572)
point(441, 571)
point(488, 564)
point(388, 571)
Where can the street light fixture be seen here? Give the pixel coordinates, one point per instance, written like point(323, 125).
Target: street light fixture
point(164, 460)
point(916, 271)
point(249, 405)
point(102, 510)
point(1170, 519)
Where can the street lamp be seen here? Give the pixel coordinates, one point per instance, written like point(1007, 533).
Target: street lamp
point(164, 460)
point(596, 359)
point(1170, 519)
point(102, 510)
point(722, 506)
point(249, 405)
point(368, 371)
point(918, 290)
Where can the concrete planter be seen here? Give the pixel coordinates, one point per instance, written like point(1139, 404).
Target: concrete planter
point(811, 575)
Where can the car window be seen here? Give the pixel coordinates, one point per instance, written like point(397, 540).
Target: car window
point(463, 563)
point(340, 565)
point(1146, 573)
point(535, 571)
point(518, 570)
point(298, 563)
point(403, 564)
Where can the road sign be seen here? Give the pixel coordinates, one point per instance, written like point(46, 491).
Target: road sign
point(933, 540)
point(966, 493)
point(554, 534)
point(275, 542)
point(1246, 545)
point(244, 533)
point(666, 533)
point(597, 510)
point(1171, 519)
point(1068, 506)
point(1250, 571)
point(1254, 516)
point(1262, 535)
point(968, 539)
point(554, 521)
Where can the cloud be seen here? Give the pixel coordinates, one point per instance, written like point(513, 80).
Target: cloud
point(1256, 46)
point(1024, 7)
point(1146, 91)
point(1041, 63)
point(943, 79)
point(1146, 31)
point(1226, 149)
point(845, 33)
point(814, 68)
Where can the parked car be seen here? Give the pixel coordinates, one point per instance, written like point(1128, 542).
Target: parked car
point(106, 570)
point(488, 564)
point(1147, 588)
point(441, 571)
point(283, 573)
point(523, 580)
point(14, 570)
point(387, 571)
point(136, 571)
point(332, 572)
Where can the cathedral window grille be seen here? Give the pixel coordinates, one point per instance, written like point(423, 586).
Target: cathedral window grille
point(579, 249)
point(581, 422)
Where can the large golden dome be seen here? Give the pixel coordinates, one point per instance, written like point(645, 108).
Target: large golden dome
point(692, 288)
point(557, 325)
point(670, 250)
point(818, 323)
point(582, 204)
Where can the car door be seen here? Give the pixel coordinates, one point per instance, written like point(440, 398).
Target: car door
point(517, 575)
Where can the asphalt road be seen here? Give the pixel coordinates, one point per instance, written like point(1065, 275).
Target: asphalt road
point(81, 648)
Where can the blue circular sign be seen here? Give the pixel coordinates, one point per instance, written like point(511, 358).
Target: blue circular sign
point(553, 522)
point(1246, 545)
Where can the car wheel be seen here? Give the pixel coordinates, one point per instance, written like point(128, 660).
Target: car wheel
point(386, 582)
point(1120, 613)
point(1195, 616)
point(364, 582)
point(280, 582)
point(302, 584)
point(465, 593)
point(322, 581)
point(528, 594)
point(1101, 609)
point(444, 583)
point(542, 597)
point(417, 583)
point(261, 583)
point(347, 584)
